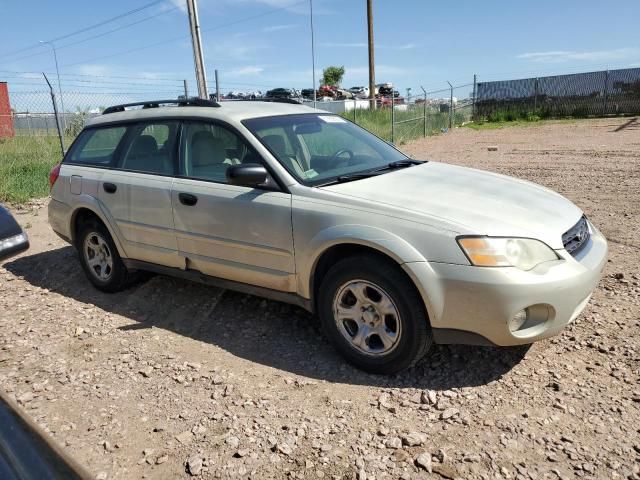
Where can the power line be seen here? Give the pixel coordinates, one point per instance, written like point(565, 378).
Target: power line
point(82, 30)
point(122, 27)
point(173, 39)
point(131, 77)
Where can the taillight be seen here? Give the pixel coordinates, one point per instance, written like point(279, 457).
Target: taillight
point(54, 174)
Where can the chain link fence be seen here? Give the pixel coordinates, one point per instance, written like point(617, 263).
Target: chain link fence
point(610, 92)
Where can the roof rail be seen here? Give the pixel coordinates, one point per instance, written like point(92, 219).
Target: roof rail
point(279, 100)
point(181, 102)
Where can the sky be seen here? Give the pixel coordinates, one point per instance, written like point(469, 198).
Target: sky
point(261, 44)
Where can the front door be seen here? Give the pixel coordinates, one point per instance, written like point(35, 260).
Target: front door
point(228, 231)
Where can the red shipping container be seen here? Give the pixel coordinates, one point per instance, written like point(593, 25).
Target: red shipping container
point(6, 119)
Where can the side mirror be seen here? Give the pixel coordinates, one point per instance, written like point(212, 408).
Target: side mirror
point(248, 174)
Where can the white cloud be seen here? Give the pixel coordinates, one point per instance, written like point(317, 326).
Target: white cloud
point(181, 4)
point(244, 71)
point(344, 45)
point(279, 28)
point(562, 56)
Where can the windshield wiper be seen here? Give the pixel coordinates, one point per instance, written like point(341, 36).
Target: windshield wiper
point(372, 173)
point(400, 164)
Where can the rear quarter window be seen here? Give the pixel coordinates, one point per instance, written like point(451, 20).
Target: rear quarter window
point(96, 146)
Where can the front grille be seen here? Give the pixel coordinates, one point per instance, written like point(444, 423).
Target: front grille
point(576, 237)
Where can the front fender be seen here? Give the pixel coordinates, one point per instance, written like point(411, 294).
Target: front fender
point(378, 239)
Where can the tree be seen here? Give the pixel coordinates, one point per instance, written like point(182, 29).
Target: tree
point(332, 76)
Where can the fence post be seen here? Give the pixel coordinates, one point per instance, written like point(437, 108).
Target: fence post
point(473, 100)
point(424, 111)
point(186, 90)
point(393, 115)
point(450, 106)
point(535, 96)
point(606, 91)
point(55, 111)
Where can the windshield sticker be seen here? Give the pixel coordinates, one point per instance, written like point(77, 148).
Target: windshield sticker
point(332, 119)
point(311, 173)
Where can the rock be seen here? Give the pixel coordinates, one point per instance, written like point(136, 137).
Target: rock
point(492, 148)
point(101, 476)
point(25, 398)
point(79, 331)
point(384, 400)
point(393, 442)
point(184, 437)
point(162, 459)
point(194, 465)
point(146, 371)
point(423, 461)
point(428, 397)
point(284, 449)
point(415, 439)
point(449, 413)
point(232, 441)
point(243, 452)
point(445, 471)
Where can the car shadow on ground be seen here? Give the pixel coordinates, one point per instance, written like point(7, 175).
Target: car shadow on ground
point(266, 332)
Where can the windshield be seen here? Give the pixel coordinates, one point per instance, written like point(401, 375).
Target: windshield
point(317, 148)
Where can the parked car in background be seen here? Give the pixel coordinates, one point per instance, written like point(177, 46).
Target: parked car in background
point(13, 240)
point(281, 93)
point(307, 93)
point(360, 92)
point(302, 206)
point(384, 89)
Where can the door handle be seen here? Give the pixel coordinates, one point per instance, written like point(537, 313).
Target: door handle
point(187, 199)
point(109, 187)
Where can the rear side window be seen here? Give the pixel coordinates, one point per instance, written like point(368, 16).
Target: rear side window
point(152, 148)
point(97, 146)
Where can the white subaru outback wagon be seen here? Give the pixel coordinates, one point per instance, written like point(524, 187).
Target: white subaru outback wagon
point(302, 206)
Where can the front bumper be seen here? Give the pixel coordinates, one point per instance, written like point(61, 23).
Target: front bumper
point(467, 303)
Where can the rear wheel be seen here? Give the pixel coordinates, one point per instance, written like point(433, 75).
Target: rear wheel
point(373, 315)
point(100, 259)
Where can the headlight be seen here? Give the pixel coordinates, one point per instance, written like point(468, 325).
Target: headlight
point(14, 241)
point(523, 253)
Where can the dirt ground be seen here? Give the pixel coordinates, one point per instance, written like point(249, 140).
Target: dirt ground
point(171, 379)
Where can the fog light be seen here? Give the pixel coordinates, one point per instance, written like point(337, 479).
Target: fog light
point(518, 320)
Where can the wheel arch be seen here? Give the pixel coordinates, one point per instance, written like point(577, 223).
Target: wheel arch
point(341, 243)
point(85, 213)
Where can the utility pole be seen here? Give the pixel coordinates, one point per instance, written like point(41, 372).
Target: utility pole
point(194, 26)
point(313, 55)
point(372, 73)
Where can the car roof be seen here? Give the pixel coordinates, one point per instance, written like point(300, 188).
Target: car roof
point(228, 110)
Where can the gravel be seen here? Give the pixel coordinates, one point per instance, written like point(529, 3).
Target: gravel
point(223, 385)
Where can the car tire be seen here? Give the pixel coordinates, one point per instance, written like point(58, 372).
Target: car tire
point(393, 331)
point(100, 259)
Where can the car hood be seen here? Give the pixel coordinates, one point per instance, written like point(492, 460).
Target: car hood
point(473, 201)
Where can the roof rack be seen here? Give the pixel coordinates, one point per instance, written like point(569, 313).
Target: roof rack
point(181, 102)
point(275, 100)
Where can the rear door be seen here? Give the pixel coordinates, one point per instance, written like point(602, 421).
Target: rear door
point(137, 192)
point(229, 231)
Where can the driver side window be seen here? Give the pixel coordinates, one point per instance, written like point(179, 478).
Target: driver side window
point(208, 150)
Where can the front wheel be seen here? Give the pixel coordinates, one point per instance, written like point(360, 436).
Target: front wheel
point(373, 315)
